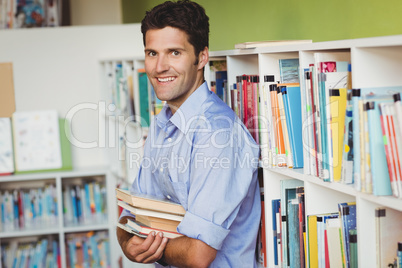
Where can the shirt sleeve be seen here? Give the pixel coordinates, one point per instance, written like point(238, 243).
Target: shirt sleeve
point(222, 170)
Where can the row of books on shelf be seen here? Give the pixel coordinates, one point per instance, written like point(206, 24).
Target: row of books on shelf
point(28, 208)
point(131, 93)
point(352, 136)
point(33, 141)
point(44, 252)
point(327, 239)
point(150, 214)
point(87, 250)
point(85, 203)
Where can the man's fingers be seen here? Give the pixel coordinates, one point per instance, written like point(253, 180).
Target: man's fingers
point(158, 250)
point(147, 248)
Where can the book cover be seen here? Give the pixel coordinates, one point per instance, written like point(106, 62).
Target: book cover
point(288, 192)
point(280, 158)
point(347, 213)
point(337, 122)
point(312, 241)
point(292, 101)
point(293, 233)
point(158, 223)
point(149, 202)
point(7, 100)
point(356, 96)
point(353, 249)
point(289, 70)
point(286, 134)
point(348, 148)
point(37, 141)
point(145, 230)
point(275, 229)
point(143, 97)
point(334, 243)
point(220, 78)
point(152, 213)
point(380, 176)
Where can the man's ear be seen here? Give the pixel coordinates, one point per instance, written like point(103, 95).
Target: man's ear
point(203, 58)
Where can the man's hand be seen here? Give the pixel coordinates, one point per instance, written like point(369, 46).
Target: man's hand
point(147, 250)
point(141, 250)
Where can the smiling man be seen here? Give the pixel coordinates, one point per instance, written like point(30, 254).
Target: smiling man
point(201, 154)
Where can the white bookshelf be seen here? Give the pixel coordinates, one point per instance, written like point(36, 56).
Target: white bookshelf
point(375, 62)
point(58, 229)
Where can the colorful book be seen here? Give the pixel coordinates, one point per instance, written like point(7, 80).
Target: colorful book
point(275, 229)
point(348, 148)
point(292, 101)
point(347, 213)
point(312, 241)
point(286, 134)
point(380, 176)
point(337, 122)
point(293, 233)
point(143, 96)
point(288, 192)
point(289, 70)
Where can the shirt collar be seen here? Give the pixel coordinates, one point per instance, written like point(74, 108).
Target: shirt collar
point(191, 107)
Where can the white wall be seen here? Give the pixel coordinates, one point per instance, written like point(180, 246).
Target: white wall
point(58, 68)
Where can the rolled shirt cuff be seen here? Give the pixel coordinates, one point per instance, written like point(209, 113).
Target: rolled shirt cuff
point(196, 227)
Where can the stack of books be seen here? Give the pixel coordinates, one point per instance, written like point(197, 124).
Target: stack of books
point(151, 214)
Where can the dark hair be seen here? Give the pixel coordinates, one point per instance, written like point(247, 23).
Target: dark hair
point(185, 15)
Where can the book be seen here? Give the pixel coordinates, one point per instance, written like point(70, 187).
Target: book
point(146, 230)
point(348, 148)
point(6, 148)
point(288, 192)
point(381, 184)
point(293, 233)
point(292, 101)
point(353, 249)
point(337, 122)
point(150, 203)
point(143, 97)
point(312, 241)
point(289, 70)
point(334, 243)
point(146, 212)
point(37, 140)
point(269, 43)
point(275, 229)
point(286, 134)
point(347, 214)
point(158, 223)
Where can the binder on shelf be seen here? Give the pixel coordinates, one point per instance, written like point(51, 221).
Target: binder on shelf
point(7, 100)
point(41, 142)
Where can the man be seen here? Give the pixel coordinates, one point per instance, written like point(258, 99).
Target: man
point(198, 153)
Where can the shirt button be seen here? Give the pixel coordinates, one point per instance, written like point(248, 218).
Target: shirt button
point(168, 196)
point(170, 140)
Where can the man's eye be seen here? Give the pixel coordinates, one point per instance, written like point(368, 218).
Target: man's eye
point(176, 53)
point(151, 53)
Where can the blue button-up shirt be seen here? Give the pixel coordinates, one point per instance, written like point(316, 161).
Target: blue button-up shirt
point(204, 158)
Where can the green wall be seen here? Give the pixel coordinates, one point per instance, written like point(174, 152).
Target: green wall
point(236, 21)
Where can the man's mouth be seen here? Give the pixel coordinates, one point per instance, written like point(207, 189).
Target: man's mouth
point(166, 79)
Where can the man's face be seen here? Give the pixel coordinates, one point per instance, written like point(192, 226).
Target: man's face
point(170, 65)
